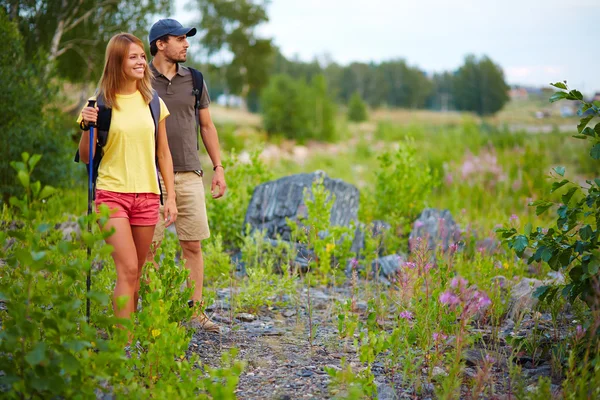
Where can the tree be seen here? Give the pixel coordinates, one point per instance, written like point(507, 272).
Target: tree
point(357, 109)
point(72, 34)
point(285, 107)
point(26, 122)
point(231, 26)
point(297, 110)
point(323, 108)
point(479, 86)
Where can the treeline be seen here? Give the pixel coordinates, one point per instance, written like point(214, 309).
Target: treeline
point(478, 85)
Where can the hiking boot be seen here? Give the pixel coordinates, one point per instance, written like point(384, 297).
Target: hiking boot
point(205, 323)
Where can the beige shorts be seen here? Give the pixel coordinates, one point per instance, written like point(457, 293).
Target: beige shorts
point(191, 222)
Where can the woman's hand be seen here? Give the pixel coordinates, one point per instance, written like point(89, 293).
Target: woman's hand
point(89, 115)
point(170, 211)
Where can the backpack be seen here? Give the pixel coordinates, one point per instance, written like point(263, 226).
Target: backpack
point(198, 83)
point(102, 128)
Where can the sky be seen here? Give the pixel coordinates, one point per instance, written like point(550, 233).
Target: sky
point(535, 42)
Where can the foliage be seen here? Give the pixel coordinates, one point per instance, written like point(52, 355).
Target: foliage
point(231, 26)
point(297, 110)
point(330, 244)
point(26, 122)
point(479, 86)
point(49, 350)
point(357, 109)
point(227, 215)
point(72, 33)
point(572, 245)
point(402, 186)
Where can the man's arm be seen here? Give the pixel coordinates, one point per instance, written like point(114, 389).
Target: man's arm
point(210, 138)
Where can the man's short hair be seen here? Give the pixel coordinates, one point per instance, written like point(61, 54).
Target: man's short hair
point(154, 48)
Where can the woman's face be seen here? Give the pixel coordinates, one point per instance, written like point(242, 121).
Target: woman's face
point(135, 63)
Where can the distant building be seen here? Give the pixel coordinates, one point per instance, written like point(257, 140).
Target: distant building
point(229, 100)
point(518, 93)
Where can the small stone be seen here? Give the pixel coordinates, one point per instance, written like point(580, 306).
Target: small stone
point(245, 317)
point(438, 371)
point(288, 313)
point(305, 373)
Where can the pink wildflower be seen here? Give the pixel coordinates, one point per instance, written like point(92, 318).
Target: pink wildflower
point(449, 299)
point(407, 315)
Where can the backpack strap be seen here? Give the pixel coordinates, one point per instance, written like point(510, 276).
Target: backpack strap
point(198, 83)
point(155, 111)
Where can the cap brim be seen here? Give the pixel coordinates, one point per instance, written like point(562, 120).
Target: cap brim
point(184, 31)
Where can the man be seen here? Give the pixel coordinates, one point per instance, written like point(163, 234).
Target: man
point(173, 82)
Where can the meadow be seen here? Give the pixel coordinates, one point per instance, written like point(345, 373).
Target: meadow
point(445, 325)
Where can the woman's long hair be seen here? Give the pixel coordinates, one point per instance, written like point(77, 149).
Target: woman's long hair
point(113, 77)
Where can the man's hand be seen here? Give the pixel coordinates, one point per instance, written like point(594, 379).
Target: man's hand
point(218, 181)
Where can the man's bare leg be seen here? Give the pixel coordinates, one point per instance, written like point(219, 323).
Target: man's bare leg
point(192, 254)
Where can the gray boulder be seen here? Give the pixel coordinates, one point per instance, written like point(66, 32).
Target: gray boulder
point(436, 227)
point(521, 297)
point(273, 202)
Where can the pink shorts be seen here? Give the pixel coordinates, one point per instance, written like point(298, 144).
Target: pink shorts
point(140, 208)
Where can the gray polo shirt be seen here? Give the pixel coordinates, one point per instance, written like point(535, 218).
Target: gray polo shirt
point(181, 126)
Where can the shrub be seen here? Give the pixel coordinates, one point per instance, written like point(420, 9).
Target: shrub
point(357, 109)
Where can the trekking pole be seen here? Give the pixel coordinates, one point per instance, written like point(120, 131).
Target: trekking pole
point(88, 282)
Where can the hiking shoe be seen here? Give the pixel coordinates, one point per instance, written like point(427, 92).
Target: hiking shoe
point(206, 324)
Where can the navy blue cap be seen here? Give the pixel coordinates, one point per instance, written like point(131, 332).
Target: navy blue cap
point(168, 26)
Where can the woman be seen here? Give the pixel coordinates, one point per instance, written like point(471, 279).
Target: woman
point(127, 179)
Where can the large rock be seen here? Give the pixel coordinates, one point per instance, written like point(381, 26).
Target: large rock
point(273, 202)
point(521, 297)
point(436, 227)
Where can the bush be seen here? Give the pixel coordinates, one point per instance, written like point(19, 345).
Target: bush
point(297, 110)
point(226, 215)
point(402, 185)
point(571, 245)
point(25, 121)
point(357, 109)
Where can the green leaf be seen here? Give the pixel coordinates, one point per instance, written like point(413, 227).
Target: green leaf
point(580, 136)
point(38, 255)
point(542, 208)
point(37, 354)
point(589, 132)
point(528, 229)
point(583, 122)
point(33, 161)
point(560, 170)
point(595, 152)
point(25, 156)
point(586, 232)
point(576, 94)
point(35, 188)
point(558, 96)
point(558, 185)
point(47, 191)
point(520, 243)
point(559, 85)
point(99, 297)
point(23, 178)
point(567, 196)
point(541, 292)
point(70, 363)
point(597, 128)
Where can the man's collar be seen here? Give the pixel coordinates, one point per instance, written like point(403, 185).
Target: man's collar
point(181, 70)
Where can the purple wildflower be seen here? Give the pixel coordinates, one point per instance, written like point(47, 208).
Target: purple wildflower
point(449, 298)
point(459, 282)
point(438, 336)
point(407, 315)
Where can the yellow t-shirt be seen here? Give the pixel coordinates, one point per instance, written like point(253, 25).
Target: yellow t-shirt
point(128, 164)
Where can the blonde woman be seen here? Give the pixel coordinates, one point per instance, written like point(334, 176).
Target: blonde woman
point(127, 178)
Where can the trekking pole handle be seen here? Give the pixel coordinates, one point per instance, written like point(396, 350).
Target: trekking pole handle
point(92, 103)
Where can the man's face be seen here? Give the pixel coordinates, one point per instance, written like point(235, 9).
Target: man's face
point(175, 49)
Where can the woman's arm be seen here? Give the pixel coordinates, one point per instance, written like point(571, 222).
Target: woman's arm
point(165, 164)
